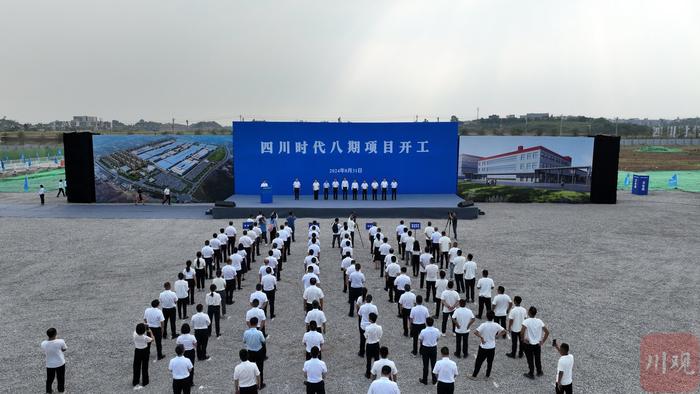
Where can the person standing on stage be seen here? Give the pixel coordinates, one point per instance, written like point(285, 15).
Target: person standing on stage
point(166, 195)
point(485, 285)
point(142, 350)
point(55, 360)
point(153, 317)
point(446, 372)
point(326, 189)
point(533, 335)
point(297, 186)
point(364, 187)
point(344, 184)
point(428, 339)
point(316, 186)
point(487, 333)
point(180, 367)
point(375, 187)
point(354, 186)
point(246, 375)
point(394, 189)
point(335, 185)
point(385, 186)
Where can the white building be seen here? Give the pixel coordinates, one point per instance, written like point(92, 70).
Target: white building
point(521, 164)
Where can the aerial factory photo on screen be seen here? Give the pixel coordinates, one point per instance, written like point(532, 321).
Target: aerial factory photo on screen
point(196, 168)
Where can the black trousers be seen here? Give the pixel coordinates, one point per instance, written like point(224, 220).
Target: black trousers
point(214, 312)
point(316, 195)
point(469, 290)
point(415, 331)
point(325, 194)
point(249, 390)
point(271, 301)
point(422, 279)
point(141, 357)
point(182, 307)
point(190, 354)
point(534, 357)
point(374, 194)
point(202, 336)
point(169, 314)
point(393, 194)
point(222, 294)
point(429, 356)
point(364, 194)
point(230, 287)
point(61, 191)
point(446, 316)
point(250, 257)
point(335, 193)
point(345, 193)
point(158, 339)
point(481, 356)
point(181, 386)
point(383, 193)
point(381, 266)
point(258, 357)
point(353, 293)
point(484, 302)
point(296, 193)
point(191, 283)
point(415, 263)
point(58, 373)
point(315, 388)
point(438, 307)
point(210, 266)
point(354, 194)
point(363, 342)
point(500, 320)
point(390, 284)
point(568, 389)
point(514, 341)
point(445, 388)
point(404, 317)
point(462, 344)
point(429, 286)
point(371, 354)
point(459, 283)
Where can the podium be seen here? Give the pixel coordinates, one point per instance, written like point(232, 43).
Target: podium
point(265, 195)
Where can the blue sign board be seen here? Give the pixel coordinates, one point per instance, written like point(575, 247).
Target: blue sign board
point(420, 156)
point(415, 225)
point(247, 225)
point(368, 225)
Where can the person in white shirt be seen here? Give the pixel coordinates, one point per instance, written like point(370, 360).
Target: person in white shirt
point(213, 301)
point(182, 290)
point(142, 338)
point(406, 303)
point(246, 375)
point(189, 342)
point(208, 255)
point(356, 281)
point(431, 274)
point(383, 361)
point(354, 186)
point(385, 186)
point(440, 287)
point(166, 196)
point(532, 335)
point(190, 274)
point(180, 368)
point(247, 242)
point(311, 294)
point(384, 385)
point(316, 315)
point(223, 247)
point(457, 263)
point(516, 316)
point(313, 338)
point(373, 334)
point(55, 361)
point(452, 254)
point(306, 279)
point(344, 184)
point(394, 189)
point(419, 314)
point(446, 372)
point(375, 186)
point(228, 272)
point(485, 286)
point(230, 232)
point(444, 242)
point(435, 250)
point(393, 269)
point(400, 285)
point(469, 277)
point(202, 326)
point(215, 244)
point(407, 243)
point(269, 285)
point(326, 189)
point(487, 333)
point(316, 186)
point(296, 185)
point(565, 369)
point(220, 284)
point(501, 306)
point(428, 231)
point(153, 317)
point(335, 185)
point(364, 187)
point(315, 371)
point(462, 318)
point(168, 302)
point(428, 339)
point(61, 188)
point(450, 301)
point(399, 232)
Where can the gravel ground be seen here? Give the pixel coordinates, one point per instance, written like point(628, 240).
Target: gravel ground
point(601, 277)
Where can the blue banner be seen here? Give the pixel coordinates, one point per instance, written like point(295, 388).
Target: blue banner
point(420, 156)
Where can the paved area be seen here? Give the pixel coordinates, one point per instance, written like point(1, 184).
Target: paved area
point(602, 277)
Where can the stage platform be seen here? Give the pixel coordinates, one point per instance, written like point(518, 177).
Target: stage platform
point(406, 206)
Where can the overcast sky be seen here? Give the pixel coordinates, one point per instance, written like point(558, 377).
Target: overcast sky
point(363, 60)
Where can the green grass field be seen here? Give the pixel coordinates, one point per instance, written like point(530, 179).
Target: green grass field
point(14, 152)
point(496, 193)
point(48, 178)
point(688, 181)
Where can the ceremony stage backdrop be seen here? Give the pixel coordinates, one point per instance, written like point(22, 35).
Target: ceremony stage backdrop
point(421, 156)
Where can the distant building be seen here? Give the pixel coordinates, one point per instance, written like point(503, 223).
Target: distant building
point(521, 164)
point(535, 116)
point(469, 166)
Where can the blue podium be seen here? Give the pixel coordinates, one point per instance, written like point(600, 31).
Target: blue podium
point(265, 195)
point(640, 185)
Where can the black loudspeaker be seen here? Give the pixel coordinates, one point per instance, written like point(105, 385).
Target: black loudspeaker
point(464, 204)
point(80, 167)
point(606, 157)
point(229, 204)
